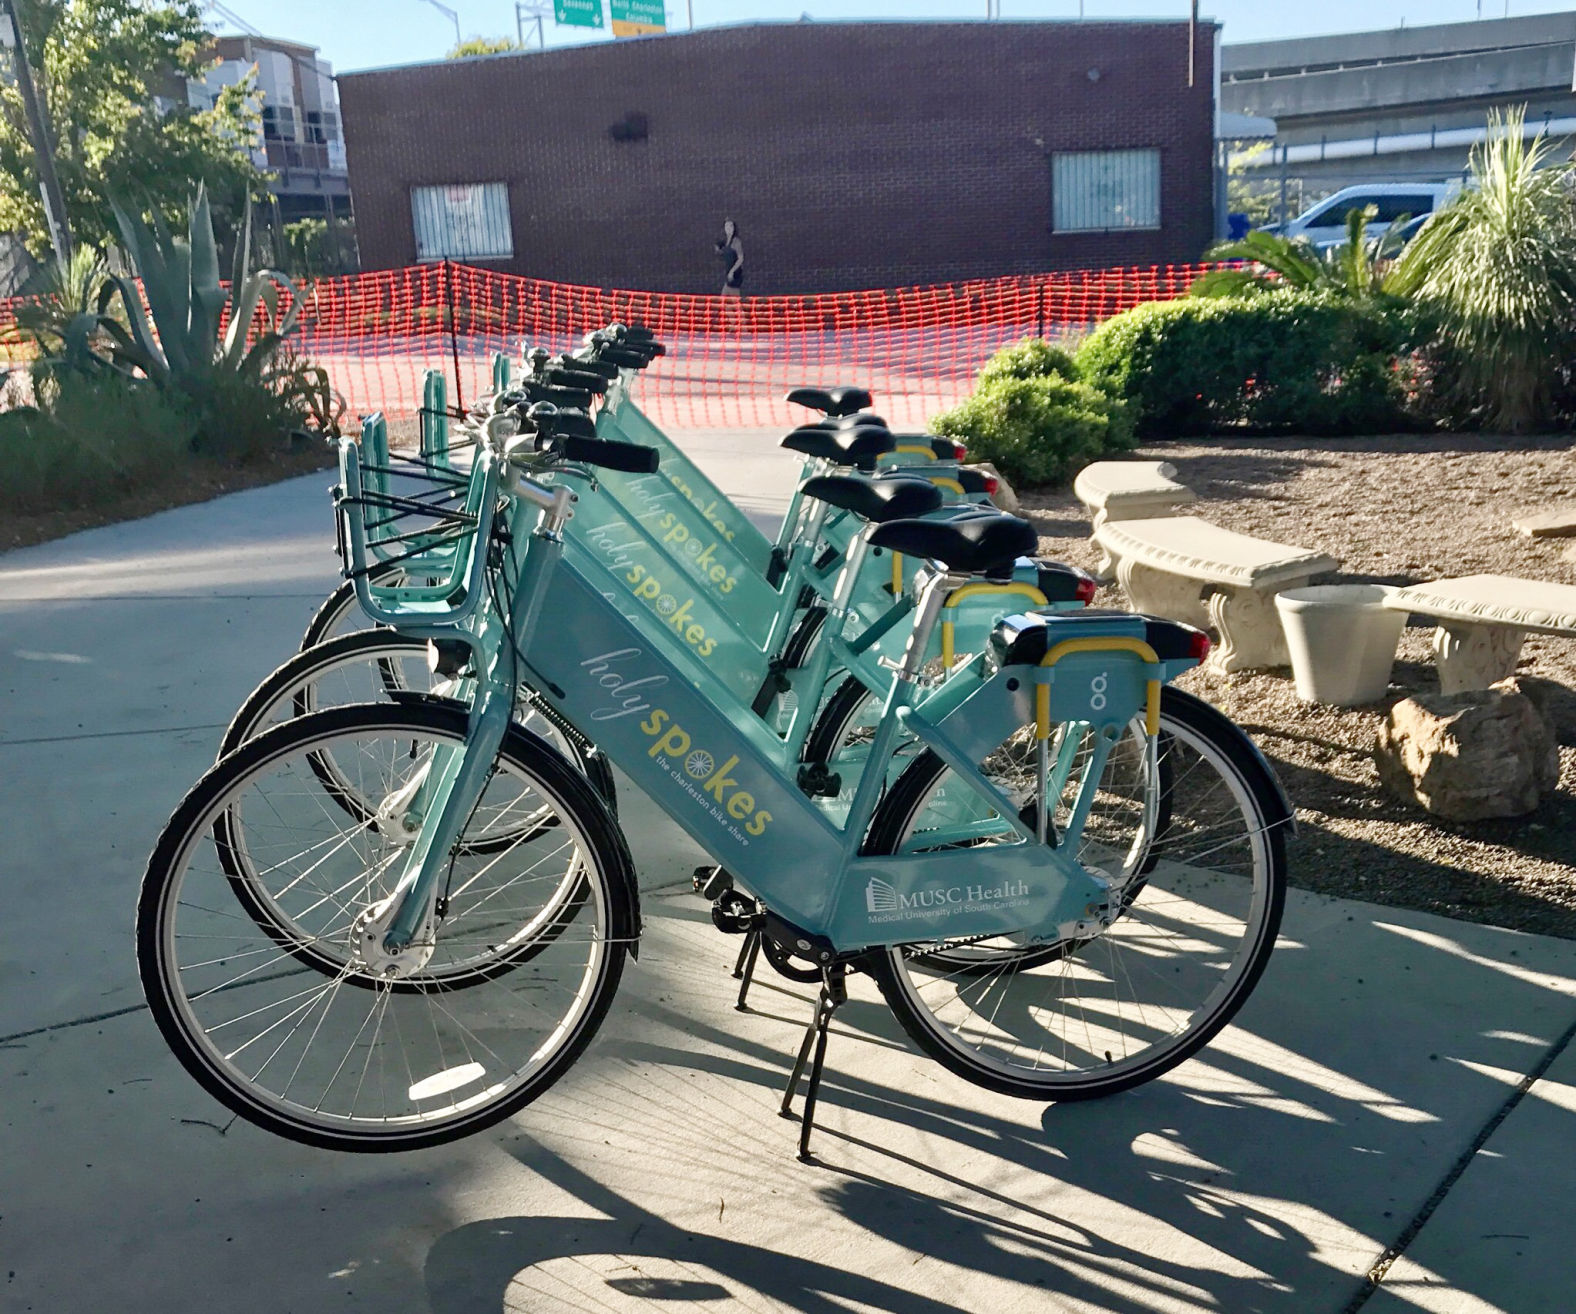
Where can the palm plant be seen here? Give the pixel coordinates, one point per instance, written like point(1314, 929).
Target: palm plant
point(1272, 260)
point(1499, 266)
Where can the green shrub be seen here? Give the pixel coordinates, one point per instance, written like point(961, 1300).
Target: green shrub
point(93, 437)
point(1038, 430)
point(1305, 361)
point(1033, 358)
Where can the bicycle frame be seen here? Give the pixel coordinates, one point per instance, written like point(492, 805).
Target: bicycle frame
point(722, 776)
point(693, 510)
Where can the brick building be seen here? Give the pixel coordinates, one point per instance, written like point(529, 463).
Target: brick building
point(851, 155)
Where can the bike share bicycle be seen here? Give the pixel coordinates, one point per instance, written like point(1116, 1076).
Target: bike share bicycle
point(300, 684)
point(452, 932)
point(657, 539)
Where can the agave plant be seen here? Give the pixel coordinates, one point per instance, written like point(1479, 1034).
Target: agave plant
point(187, 344)
point(1271, 260)
point(1499, 267)
point(59, 314)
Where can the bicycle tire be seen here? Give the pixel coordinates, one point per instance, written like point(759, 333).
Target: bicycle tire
point(1192, 726)
point(341, 603)
point(382, 646)
point(599, 851)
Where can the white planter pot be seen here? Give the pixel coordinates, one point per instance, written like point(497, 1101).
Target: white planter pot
point(1342, 640)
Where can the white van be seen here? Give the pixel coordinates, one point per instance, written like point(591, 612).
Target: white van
point(1324, 224)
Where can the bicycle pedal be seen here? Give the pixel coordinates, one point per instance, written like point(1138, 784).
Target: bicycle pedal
point(733, 914)
point(449, 658)
point(712, 882)
point(818, 782)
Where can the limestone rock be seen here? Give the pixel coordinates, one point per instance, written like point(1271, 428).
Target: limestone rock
point(1549, 522)
point(1555, 702)
point(1468, 756)
point(1004, 497)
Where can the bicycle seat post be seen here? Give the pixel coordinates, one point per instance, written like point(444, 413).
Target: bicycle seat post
point(933, 594)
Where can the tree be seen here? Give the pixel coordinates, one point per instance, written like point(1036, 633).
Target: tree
point(483, 46)
point(1250, 190)
point(112, 74)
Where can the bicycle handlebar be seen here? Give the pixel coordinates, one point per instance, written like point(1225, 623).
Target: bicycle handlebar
point(631, 458)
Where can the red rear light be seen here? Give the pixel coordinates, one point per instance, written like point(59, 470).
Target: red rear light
point(1199, 647)
point(992, 484)
point(1086, 590)
point(959, 451)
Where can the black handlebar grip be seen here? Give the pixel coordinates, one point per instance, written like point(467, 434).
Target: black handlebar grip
point(562, 376)
point(639, 338)
point(629, 457)
point(567, 424)
point(590, 365)
point(625, 357)
point(577, 399)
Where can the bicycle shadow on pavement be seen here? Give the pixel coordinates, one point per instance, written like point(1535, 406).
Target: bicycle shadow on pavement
point(1269, 1172)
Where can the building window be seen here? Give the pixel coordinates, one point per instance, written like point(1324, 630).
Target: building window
point(1098, 191)
point(278, 123)
point(462, 221)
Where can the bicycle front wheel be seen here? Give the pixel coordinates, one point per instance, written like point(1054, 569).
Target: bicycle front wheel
point(1199, 902)
point(366, 666)
point(282, 1020)
point(340, 612)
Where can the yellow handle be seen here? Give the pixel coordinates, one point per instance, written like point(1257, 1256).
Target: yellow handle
point(897, 574)
point(916, 451)
point(973, 590)
point(952, 485)
point(1110, 643)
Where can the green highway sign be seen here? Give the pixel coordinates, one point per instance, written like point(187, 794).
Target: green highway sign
point(638, 17)
point(578, 13)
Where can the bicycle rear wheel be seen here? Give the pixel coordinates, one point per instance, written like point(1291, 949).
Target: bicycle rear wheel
point(1200, 907)
point(1131, 808)
point(282, 1019)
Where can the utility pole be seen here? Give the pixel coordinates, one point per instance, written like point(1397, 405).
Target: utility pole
point(1192, 45)
point(43, 146)
point(434, 3)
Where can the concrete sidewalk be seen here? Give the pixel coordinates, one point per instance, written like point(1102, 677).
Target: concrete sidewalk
point(1378, 1079)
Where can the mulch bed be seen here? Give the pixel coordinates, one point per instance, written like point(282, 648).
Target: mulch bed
point(1395, 510)
point(196, 480)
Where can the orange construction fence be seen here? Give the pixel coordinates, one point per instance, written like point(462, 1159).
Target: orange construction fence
point(729, 361)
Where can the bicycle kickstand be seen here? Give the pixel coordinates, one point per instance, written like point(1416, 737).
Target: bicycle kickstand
point(834, 993)
point(744, 968)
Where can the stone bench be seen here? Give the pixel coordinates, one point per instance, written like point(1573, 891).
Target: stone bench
point(1483, 620)
point(1128, 490)
point(1187, 569)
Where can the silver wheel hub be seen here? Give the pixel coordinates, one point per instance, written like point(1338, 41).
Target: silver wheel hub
point(368, 943)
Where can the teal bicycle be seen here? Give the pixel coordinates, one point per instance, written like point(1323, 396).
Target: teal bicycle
point(677, 547)
point(713, 540)
point(446, 936)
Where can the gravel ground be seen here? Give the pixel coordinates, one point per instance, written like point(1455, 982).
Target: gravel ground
point(1395, 510)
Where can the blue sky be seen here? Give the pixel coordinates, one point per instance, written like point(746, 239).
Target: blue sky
point(368, 33)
